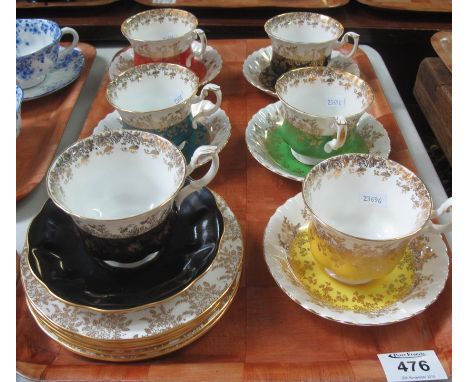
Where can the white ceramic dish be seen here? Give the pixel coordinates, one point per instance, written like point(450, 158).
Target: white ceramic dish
point(157, 319)
point(217, 124)
point(259, 62)
point(431, 271)
point(64, 72)
point(266, 120)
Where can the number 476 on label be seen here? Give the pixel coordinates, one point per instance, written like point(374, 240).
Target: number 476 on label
point(412, 366)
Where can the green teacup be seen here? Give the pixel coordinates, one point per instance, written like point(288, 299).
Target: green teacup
point(321, 107)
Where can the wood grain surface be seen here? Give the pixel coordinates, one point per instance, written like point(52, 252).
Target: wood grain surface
point(442, 44)
point(306, 4)
point(433, 92)
point(411, 5)
point(264, 336)
point(43, 123)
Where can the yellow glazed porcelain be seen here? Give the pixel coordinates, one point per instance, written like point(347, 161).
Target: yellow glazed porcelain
point(364, 212)
point(373, 296)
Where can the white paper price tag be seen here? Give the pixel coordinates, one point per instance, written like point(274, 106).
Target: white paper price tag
point(412, 366)
point(164, 1)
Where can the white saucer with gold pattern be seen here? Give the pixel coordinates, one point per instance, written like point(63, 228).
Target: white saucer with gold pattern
point(149, 321)
point(217, 126)
point(256, 68)
point(122, 353)
point(429, 267)
point(211, 60)
point(265, 144)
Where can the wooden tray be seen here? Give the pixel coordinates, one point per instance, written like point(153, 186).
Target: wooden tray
point(264, 335)
point(307, 4)
point(43, 122)
point(442, 44)
point(62, 4)
point(411, 5)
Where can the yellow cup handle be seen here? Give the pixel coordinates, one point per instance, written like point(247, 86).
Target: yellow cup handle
point(444, 208)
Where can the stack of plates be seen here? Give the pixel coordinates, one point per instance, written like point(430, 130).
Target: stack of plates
point(133, 322)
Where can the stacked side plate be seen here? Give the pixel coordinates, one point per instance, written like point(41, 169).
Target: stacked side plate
point(145, 331)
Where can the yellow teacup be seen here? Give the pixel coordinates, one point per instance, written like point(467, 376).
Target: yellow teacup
point(364, 211)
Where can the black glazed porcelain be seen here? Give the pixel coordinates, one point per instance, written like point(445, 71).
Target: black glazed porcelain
point(58, 258)
point(130, 249)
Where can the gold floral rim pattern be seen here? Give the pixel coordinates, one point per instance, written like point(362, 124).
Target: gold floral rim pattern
point(268, 119)
point(106, 143)
point(138, 73)
point(431, 266)
point(151, 350)
point(211, 60)
point(302, 18)
point(160, 16)
point(150, 321)
point(133, 344)
point(361, 164)
point(324, 75)
point(374, 296)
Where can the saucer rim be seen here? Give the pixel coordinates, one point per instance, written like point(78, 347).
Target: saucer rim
point(26, 251)
point(269, 49)
point(237, 244)
point(80, 57)
point(441, 283)
point(272, 165)
point(203, 327)
point(202, 82)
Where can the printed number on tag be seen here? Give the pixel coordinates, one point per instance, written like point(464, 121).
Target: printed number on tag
point(164, 1)
point(412, 366)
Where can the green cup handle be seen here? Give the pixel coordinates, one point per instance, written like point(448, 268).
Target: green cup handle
point(341, 127)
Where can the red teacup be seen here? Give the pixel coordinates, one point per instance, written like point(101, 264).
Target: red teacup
point(181, 59)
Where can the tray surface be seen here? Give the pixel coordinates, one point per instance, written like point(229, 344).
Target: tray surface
point(411, 5)
point(264, 335)
point(43, 123)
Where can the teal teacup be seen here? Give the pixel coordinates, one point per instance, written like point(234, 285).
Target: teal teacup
point(158, 98)
point(321, 108)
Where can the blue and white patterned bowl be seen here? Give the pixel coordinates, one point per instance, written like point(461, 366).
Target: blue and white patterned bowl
point(37, 49)
point(19, 99)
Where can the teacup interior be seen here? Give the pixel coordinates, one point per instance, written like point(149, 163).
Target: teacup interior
point(156, 26)
point(324, 99)
point(303, 27)
point(368, 204)
point(306, 33)
point(149, 92)
point(34, 34)
point(118, 183)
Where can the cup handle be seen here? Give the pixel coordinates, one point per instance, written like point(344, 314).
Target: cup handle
point(207, 111)
point(198, 54)
point(201, 152)
point(430, 227)
point(74, 43)
point(341, 127)
point(345, 39)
